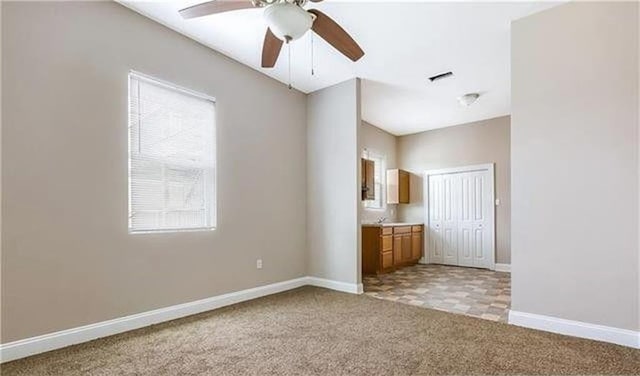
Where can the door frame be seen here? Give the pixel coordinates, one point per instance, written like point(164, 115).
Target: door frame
point(490, 167)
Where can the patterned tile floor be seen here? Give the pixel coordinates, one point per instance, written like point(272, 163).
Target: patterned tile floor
point(468, 291)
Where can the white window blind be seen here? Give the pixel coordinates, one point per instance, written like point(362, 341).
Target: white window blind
point(172, 183)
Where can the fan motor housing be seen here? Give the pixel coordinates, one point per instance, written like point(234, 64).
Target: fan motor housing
point(266, 3)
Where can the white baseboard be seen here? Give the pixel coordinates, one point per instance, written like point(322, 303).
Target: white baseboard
point(580, 329)
point(47, 342)
point(353, 288)
point(503, 268)
point(498, 267)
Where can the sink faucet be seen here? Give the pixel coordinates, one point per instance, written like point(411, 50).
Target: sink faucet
point(382, 219)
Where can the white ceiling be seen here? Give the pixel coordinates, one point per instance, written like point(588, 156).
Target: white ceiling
point(404, 43)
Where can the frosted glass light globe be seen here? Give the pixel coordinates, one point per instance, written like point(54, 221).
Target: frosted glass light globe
point(468, 99)
point(287, 21)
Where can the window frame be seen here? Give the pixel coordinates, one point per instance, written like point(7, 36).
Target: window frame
point(132, 74)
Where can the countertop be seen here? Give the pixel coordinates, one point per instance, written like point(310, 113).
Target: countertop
point(390, 224)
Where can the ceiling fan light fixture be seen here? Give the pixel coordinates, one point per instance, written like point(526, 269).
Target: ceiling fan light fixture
point(468, 99)
point(288, 21)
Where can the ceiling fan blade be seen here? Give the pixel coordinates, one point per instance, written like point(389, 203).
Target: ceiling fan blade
point(335, 35)
point(270, 49)
point(213, 7)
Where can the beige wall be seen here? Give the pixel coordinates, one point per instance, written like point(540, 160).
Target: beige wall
point(67, 259)
point(1, 6)
point(333, 185)
point(574, 144)
point(375, 139)
point(484, 141)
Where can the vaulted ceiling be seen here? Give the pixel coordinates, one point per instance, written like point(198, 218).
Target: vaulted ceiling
point(404, 44)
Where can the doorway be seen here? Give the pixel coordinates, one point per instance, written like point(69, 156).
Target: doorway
point(460, 216)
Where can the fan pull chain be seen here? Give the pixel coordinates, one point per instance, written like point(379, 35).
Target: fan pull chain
point(289, 52)
point(312, 70)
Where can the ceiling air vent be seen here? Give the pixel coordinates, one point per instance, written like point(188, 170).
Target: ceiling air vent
point(440, 76)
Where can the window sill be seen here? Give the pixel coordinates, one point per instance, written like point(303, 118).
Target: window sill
point(170, 231)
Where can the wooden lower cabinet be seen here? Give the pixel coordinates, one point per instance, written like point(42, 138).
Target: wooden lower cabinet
point(386, 251)
point(386, 248)
point(397, 249)
point(416, 246)
point(416, 243)
point(387, 260)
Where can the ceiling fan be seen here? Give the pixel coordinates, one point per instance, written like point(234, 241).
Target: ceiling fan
point(287, 20)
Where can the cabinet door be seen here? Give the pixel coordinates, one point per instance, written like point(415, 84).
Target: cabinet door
point(386, 242)
point(416, 246)
point(368, 180)
point(387, 260)
point(406, 248)
point(397, 249)
point(403, 186)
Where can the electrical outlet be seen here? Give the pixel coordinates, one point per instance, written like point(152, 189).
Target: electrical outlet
point(259, 264)
point(497, 201)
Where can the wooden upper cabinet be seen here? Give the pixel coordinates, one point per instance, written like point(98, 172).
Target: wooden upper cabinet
point(397, 186)
point(368, 179)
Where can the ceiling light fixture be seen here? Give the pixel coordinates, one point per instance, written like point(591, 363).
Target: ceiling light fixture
point(288, 21)
point(468, 99)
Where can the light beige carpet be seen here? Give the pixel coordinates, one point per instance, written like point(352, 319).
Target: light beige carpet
point(313, 331)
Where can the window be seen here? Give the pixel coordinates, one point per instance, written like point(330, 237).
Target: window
point(379, 167)
point(172, 183)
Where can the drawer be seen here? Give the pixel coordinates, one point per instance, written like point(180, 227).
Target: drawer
point(387, 259)
point(416, 228)
point(402, 230)
point(386, 243)
point(386, 230)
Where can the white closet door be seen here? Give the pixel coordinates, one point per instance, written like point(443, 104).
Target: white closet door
point(484, 222)
point(450, 219)
point(435, 245)
point(467, 206)
point(460, 218)
point(474, 219)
